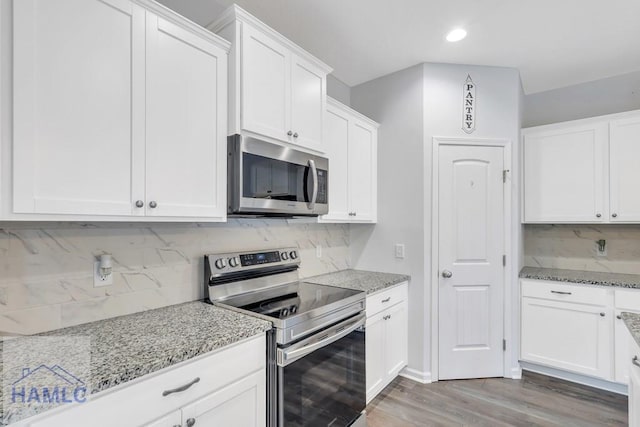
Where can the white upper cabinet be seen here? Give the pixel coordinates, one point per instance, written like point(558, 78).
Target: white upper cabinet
point(277, 90)
point(582, 171)
point(119, 115)
point(624, 151)
point(186, 123)
point(76, 93)
point(352, 147)
point(564, 177)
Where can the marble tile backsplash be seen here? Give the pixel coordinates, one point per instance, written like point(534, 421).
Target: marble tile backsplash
point(574, 247)
point(46, 277)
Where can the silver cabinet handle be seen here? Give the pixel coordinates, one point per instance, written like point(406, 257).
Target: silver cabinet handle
point(635, 361)
point(386, 299)
point(618, 317)
point(615, 215)
point(387, 317)
point(598, 215)
point(181, 388)
point(153, 204)
point(289, 133)
point(561, 293)
point(447, 274)
point(602, 314)
point(191, 422)
point(295, 135)
point(314, 195)
point(139, 204)
point(177, 425)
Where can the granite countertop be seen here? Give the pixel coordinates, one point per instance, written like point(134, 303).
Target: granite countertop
point(106, 353)
point(361, 280)
point(632, 320)
point(582, 277)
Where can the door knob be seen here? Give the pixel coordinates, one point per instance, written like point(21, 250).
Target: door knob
point(295, 135)
point(191, 422)
point(139, 204)
point(615, 215)
point(153, 204)
point(290, 133)
point(446, 274)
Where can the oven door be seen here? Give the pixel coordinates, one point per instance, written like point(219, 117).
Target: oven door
point(266, 178)
point(322, 379)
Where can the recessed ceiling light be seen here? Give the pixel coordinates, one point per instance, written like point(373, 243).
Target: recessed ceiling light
point(456, 35)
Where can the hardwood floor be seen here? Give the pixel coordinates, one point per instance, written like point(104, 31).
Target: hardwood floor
point(536, 400)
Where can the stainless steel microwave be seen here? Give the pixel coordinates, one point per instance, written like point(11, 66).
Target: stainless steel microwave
point(272, 180)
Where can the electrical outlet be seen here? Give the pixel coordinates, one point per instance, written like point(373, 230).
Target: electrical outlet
point(98, 279)
point(319, 251)
point(399, 248)
point(601, 247)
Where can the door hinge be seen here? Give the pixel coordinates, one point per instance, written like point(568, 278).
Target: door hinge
point(504, 175)
point(504, 345)
point(504, 260)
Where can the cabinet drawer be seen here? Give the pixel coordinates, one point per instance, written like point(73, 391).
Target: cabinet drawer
point(556, 291)
point(143, 401)
point(386, 298)
point(627, 300)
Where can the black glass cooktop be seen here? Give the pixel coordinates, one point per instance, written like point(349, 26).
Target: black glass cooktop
point(292, 299)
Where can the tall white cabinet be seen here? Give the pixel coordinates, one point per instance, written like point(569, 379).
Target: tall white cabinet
point(582, 171)
point(119, 113)
point(278, 90)
point(352, 147)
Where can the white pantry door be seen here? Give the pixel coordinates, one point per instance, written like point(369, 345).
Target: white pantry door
point(471, 246)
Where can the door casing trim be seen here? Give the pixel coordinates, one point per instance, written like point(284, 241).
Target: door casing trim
point(507, 327)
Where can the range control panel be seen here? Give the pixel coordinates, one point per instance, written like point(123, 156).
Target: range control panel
point(220, 264)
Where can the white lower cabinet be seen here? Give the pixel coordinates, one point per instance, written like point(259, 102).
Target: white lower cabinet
point(230, 391)
point(577, 328)
point(633, 368)
point(386, 337)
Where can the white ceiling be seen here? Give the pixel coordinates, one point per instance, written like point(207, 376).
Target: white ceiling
point(554, 43)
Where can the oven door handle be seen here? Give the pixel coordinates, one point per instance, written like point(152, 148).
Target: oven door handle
point(288, 356)
point(314, 194)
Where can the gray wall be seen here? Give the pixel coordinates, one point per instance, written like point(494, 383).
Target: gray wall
point(606, 96)
point(338, 90)
point(396, 102)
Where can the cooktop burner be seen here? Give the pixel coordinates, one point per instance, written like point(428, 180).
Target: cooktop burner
point(289, 300)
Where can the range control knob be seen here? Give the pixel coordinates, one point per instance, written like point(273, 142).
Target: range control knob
point(284, 256)
point(233, 262)
point(293, 254)
point(220, 263)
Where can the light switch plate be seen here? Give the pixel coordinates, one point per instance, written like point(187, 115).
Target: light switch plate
point(399, 249)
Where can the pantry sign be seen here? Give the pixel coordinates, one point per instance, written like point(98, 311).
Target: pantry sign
point(469, 106)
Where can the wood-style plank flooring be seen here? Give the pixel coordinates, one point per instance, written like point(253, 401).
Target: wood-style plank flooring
point(535, 400)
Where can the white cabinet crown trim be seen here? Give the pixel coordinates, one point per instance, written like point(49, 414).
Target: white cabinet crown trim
point(235, 12)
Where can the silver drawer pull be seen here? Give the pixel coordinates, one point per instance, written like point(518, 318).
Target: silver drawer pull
point(561, 293)
point(181, 388)
point(635, 361)
point(386, 299)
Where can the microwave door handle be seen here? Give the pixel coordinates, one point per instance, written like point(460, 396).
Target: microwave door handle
point(314, 194)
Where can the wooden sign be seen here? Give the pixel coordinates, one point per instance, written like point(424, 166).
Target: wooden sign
point(469, 106)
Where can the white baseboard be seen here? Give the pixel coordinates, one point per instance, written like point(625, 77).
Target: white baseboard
point(516, 373)
point(415, 375)
point(576, 378)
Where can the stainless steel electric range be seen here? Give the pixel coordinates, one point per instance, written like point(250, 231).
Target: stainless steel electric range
point(316, 351)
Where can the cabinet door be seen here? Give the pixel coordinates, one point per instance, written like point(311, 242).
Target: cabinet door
point(242, 403)
point(375, 353)
point(78, 106)
point(337, 146)
point(624, 152)
point(174, 419)
point(564, 175)
point(309, 94)
point(266, 85)
point(574, 337)
point(396, 345)
point(634, 382)
point(362, 171)
point(186, 123)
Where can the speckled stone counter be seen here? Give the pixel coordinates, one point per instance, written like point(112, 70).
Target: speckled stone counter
point(632, 320)
point(368, 281)
point(128, 347)
point(582, 277)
